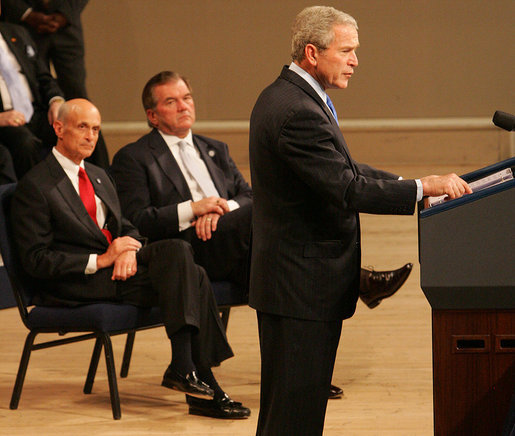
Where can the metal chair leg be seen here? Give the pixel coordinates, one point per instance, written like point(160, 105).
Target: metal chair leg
point(127, 354)
point(93, 365)
point(22, 370)
point(111, 376)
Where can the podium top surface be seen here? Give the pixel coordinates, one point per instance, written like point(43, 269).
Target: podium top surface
point(469, 177)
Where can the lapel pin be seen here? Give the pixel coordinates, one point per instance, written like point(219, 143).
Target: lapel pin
point(99, 181)
point(211, 153)
point(13, 39)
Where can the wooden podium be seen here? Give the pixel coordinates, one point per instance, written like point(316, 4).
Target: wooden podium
point(467, 263)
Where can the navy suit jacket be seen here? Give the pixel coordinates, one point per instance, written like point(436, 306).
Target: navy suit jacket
point(42, 85)
point(150, 183)
point(308, 193)
point(55, 234)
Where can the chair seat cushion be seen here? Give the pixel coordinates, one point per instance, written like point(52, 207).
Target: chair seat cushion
point(105, 317)
point(111, 317)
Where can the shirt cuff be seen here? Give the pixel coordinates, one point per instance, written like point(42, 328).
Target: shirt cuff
point(185, 215)
point(25, 14)
point(233, 205)
point(420, 190)
point(91, 267)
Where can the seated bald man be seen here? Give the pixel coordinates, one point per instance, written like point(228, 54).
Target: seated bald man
point(73, 239)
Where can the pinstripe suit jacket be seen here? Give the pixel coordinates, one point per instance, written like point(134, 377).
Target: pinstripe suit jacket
point(308, 192)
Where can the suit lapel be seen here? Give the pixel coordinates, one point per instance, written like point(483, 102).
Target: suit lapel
point(99, 185)
point(216, 173)
point(340, 145)
point(297, 80)
point(168, 164)
point(70, 196)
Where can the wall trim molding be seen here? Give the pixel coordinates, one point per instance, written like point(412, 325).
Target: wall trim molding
point(379, 124)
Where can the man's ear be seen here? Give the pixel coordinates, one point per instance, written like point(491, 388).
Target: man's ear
point(311, 54)
point(58, 128)
point(151, 116)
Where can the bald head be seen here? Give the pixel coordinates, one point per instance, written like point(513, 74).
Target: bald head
point(75, 105)
point(77, 127)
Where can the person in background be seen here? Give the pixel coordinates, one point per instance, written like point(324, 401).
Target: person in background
point(56, 28)
point(29, 99)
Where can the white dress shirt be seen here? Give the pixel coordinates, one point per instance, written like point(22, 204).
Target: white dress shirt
point(4, 90)
point(184, 210)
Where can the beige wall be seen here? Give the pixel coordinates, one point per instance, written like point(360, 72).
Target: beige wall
point(418, 58)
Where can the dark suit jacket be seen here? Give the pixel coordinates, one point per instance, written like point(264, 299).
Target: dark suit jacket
point(55, 235)
point(308, 192)
point(42, 84)
point(13, 10)
point(150, 183)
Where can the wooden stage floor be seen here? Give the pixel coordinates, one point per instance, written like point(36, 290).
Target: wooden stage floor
point(383, 364)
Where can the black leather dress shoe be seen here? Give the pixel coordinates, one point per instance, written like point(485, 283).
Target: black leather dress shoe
point(189, 383)
point(376, 285)
point(335, 392)
point(221, 407)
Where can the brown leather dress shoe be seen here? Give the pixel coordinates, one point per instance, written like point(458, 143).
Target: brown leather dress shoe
point(221, 407)
point(376, 285)
point(188, 383)
point(335, 392)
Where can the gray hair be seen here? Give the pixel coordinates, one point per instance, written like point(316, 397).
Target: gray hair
point(314, 25)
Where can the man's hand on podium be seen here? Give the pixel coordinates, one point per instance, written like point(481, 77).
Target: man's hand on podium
point(450, 185)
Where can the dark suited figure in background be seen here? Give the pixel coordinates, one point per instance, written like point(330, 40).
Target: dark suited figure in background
point(7, 174)
point(73, 239)
point(308, 193)
point(173, 183)
point(30, 99)
point(56, 27)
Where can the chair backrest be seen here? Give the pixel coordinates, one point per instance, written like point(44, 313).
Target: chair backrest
point(21, 284)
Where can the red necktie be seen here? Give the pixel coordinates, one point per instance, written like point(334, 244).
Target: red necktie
point(87, 195)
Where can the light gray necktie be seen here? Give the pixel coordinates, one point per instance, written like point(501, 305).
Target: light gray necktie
point(200, 174)
point(19, 96)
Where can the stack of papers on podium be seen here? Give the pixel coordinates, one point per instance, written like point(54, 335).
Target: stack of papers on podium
point(478, 185)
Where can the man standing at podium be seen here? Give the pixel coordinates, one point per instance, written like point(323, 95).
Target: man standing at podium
point(308, 193)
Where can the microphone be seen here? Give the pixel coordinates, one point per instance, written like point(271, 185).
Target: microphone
point(504, 120)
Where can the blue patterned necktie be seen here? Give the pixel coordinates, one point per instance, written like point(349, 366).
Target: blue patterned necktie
point(19, 96)
point(333, 110)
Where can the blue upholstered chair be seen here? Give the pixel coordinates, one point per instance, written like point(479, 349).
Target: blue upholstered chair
point(97, 321)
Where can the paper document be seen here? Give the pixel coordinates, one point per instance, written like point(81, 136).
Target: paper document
point(478, 185)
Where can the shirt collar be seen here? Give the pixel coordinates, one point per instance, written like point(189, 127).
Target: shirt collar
point(174, 140)
point(68, 165)
point(310, 79)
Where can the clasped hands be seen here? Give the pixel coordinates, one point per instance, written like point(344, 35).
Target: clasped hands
point(46, 23)
point(121, 254)
point(207, 212)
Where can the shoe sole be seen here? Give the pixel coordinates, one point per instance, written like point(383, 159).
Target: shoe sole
point(175, 387)
point(216, 415)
